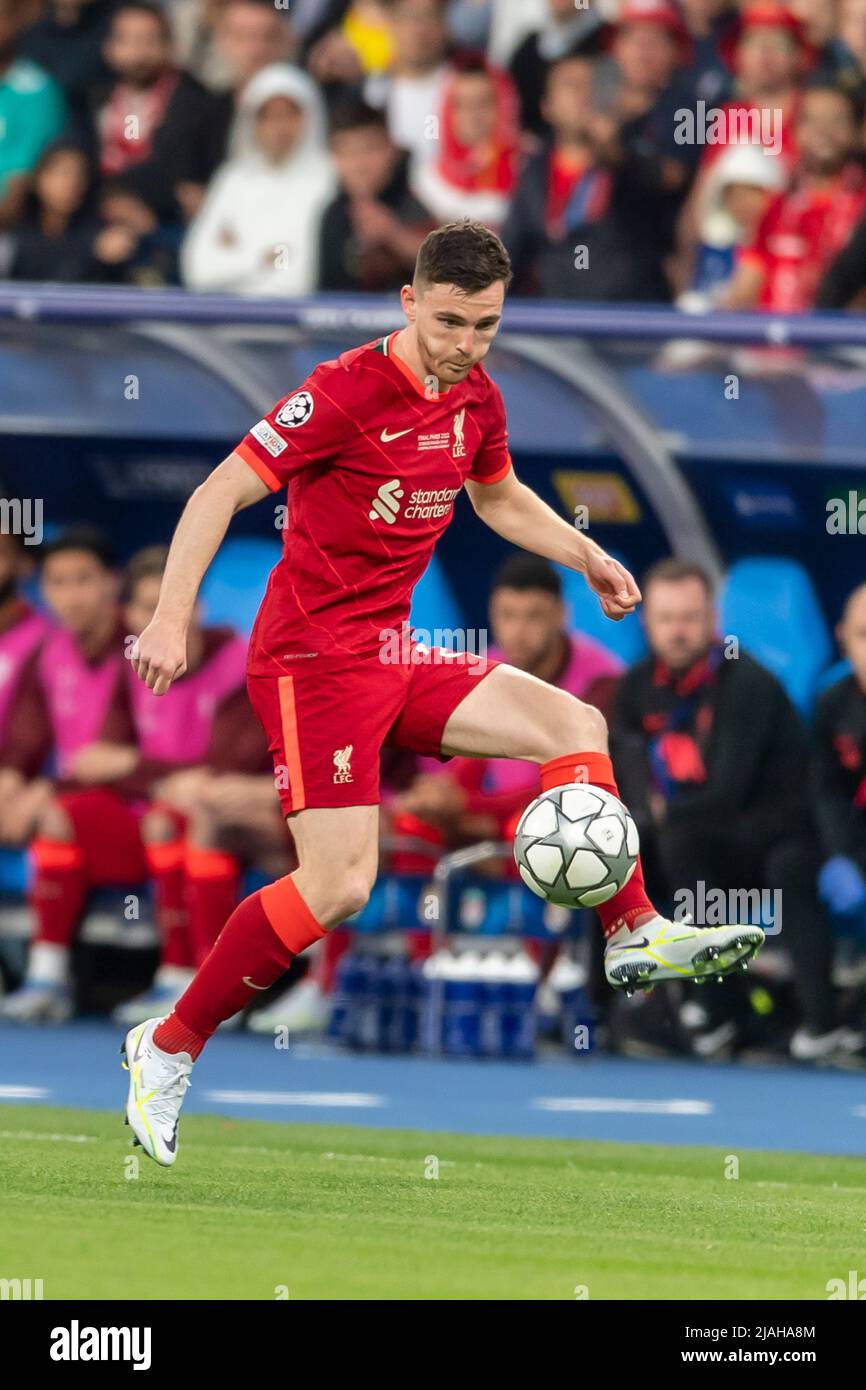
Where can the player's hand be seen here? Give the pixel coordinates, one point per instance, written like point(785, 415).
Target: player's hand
point(159, 655)
point(617, 591)
point(183, 790)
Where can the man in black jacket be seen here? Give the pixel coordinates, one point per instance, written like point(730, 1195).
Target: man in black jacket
point(588, 220)
point(155, 125)
point(372, 230)
point(712, 760)
point(840, 773)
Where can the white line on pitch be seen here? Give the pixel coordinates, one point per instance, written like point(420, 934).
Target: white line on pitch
point(611, 1105)
point(350, 1099)
point(23, 1093)
point(48, 1138)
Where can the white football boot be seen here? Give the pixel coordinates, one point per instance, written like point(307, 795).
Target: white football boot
point(37, 1001)
point(169, 984)
point(302, 1009)
point(158, 1082)
point(662, 950)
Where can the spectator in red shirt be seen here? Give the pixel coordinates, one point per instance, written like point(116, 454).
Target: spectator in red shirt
point(805, 229)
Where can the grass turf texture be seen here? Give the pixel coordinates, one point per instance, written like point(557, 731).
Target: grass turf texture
point(345, 1212)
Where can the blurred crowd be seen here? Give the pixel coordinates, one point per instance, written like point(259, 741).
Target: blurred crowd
point(104, 786)
point(704, 152)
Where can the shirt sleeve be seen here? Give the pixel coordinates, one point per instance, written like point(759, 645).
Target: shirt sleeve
point(493, 460)
point(308, 427)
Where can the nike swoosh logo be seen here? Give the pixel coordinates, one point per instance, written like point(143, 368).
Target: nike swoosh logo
point(387, 438)
point(631, 945)
point(171, 1144)
point(248, 981)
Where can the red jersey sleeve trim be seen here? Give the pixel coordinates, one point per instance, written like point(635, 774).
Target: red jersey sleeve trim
point(494, 477)
point(268, 478)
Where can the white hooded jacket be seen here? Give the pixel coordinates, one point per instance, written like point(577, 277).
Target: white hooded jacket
point(258, 228)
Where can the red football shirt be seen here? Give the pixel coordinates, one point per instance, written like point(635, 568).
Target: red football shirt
point(373, 461)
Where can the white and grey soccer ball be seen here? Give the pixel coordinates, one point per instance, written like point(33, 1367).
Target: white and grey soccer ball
point(576, 846)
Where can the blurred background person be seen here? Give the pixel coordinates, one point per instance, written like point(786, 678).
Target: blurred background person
point(22, 629)
point(154, 123)
point(69, 697)
point(32, 112)
point(806, 228)
point(371, 231)
point(570, 231)
point(67, 42)
point(564, 30)
point(258, 229)
point(710, 756)
point(410, 92)
point(475, 172)
point(839, 780)
point(232, 40)
point(737, 193)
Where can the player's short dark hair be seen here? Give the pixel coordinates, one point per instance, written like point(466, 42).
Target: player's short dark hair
point(464, 254)
point(88, 539)
point(672, 569)
point(156, 12)
point(148, 563)
point(525, 572)
point(353, 113)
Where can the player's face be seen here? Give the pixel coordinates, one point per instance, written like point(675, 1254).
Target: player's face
point(680, 621)
point(137, 49)
point(78, 590)
point(527, 625)
point(454, 330)
point(852, 635)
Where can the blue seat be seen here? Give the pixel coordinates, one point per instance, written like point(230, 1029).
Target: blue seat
point(434, 604)
point(772, 607)
point(235, 584)
point(626, 639)
point(837, 672)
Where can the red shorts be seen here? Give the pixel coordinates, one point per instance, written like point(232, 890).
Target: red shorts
point(326, 728)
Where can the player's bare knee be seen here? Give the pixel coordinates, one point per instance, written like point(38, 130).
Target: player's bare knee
point(580, 728)
point(348, 895)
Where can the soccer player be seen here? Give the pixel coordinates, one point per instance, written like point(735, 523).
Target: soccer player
point(375, 448)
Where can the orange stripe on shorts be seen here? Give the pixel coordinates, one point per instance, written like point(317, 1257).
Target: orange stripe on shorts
point(289, 723)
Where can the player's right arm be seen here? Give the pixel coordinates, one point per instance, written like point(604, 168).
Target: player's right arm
point(159, 655)
point(306, 428)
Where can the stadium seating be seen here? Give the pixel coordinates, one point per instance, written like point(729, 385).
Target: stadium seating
point(772, 607)
point(626, 639)
point(234, 584)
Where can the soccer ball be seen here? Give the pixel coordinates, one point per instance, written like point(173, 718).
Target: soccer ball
point(576, 846)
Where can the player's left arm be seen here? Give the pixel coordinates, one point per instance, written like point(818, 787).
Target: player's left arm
point(519, 515)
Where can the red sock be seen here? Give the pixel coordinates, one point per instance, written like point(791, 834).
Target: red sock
point(596, 769)
point(165, 865)
point(59, 889)
point(211, 893)
point(258, 943)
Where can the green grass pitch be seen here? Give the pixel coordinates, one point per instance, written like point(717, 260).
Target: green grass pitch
point(255, 1210)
